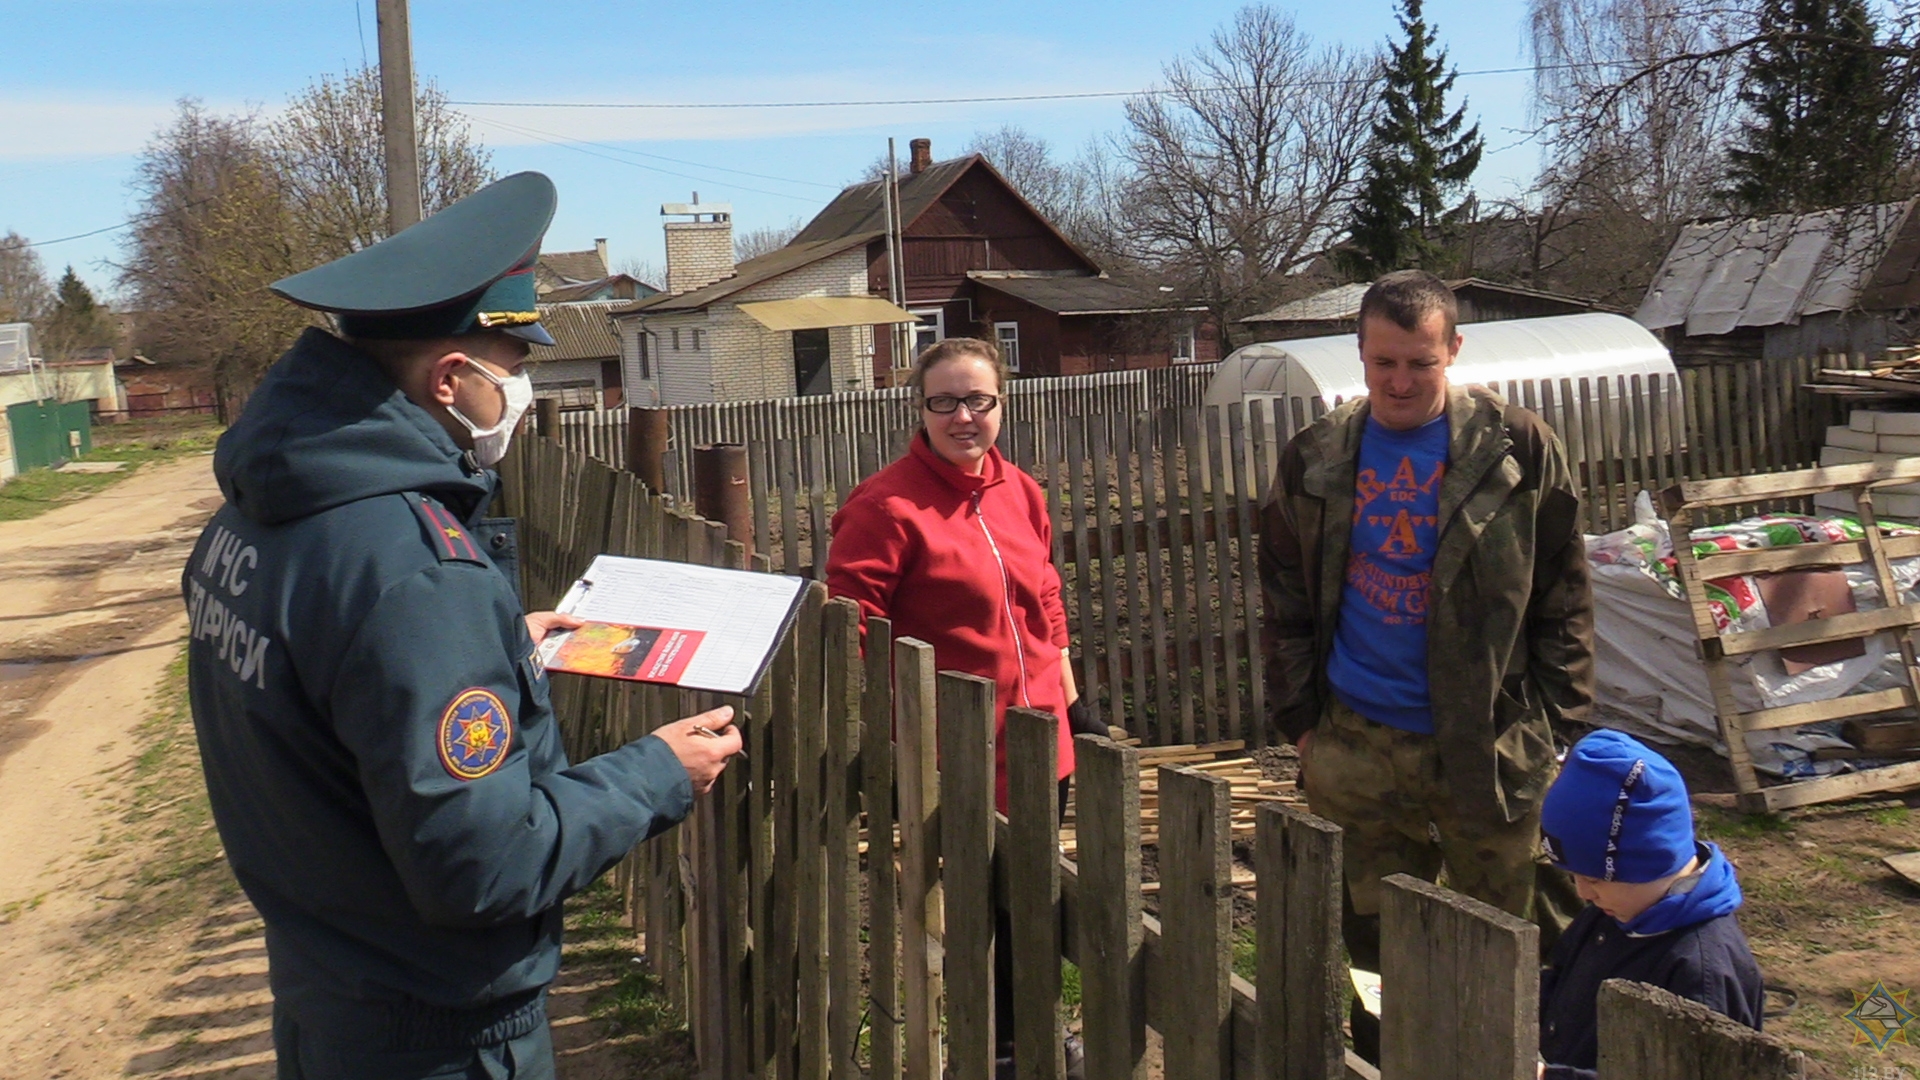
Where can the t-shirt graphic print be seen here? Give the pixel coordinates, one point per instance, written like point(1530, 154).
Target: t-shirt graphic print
point(1379, 661)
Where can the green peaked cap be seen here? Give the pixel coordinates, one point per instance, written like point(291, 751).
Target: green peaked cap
point(467, 268)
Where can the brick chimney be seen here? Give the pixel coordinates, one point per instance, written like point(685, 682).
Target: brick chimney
point(922, 151)
point(600, 248)
point(699, 250)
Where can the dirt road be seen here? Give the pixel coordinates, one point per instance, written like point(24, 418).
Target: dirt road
point(90, 620)
point(125, 947)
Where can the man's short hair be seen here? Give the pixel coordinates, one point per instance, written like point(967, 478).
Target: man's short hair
point(1406, 298)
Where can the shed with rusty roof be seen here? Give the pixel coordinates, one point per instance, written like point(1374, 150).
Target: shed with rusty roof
point(1840, 280)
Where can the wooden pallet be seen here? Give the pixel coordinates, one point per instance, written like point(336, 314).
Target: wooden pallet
point(1717, 649)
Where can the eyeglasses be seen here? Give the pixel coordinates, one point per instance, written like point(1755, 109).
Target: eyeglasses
point(976, 404)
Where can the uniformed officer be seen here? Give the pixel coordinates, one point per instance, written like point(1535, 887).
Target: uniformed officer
point(384, 766)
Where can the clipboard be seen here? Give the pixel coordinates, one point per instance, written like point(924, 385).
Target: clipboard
point(674, 624)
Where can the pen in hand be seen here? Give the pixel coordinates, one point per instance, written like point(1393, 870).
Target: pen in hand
point(707, 732)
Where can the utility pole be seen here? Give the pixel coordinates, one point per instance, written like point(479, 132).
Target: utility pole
point(896, 274)
point(396, 115)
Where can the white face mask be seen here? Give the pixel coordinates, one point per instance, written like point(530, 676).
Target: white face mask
point(490, 444)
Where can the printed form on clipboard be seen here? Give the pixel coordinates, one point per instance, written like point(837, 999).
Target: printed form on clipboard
point(697, 627)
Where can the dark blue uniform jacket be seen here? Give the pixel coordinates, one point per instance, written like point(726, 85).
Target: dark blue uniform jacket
point(383, 762)
point(1689, 943)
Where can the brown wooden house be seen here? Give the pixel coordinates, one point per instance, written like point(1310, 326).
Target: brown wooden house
point(980, 261)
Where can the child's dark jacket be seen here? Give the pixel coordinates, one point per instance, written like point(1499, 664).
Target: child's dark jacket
point(1706, 961)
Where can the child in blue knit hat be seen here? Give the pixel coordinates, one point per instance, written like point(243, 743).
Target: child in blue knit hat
point(1660, 904)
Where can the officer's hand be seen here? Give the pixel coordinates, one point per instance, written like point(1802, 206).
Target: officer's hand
point(704, 756)
point(542, 623)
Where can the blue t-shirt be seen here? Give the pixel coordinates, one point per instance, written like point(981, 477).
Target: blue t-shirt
point(1379, 662)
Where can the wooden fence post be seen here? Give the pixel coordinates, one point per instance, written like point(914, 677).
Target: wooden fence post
point(1113, 985)
point(759, 735)
point(966, 845)
point(1032, 862)
point(1196, 908)
point(883, 921)
point(810, 848)
point(1302, 978)
point(782, 937)
point(1648, 1032)
point(1460, 986)
point(841, 805)
point(922, 913)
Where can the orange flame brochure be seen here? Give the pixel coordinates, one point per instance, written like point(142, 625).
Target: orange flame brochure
point(696, 627)
point(640, 653)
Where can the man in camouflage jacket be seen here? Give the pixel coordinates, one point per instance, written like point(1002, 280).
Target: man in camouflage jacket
point(1504, 605)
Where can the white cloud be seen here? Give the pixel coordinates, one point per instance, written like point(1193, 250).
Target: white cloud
point(43, 128)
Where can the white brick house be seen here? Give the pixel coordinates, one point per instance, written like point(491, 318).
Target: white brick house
point(699, 345)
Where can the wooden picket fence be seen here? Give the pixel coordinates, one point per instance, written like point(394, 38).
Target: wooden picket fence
point(806, 929)
point(1155, 498)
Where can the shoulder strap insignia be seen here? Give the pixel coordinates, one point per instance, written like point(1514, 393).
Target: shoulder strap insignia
point(449, 539)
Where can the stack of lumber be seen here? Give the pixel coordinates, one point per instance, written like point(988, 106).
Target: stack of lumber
point(1895, 375)
point(1226, 760)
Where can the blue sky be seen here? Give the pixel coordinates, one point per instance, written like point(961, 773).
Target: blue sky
point(86, 84)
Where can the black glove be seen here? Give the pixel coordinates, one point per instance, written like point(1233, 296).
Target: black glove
point(1081, 721)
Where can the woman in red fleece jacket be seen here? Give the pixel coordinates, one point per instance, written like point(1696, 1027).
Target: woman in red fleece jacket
point(952, 542)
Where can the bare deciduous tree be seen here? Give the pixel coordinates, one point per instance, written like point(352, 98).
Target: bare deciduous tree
point(1635, 137)
point(757, 242)
point(1243, 168)
point(329, 152)
point(215, 229)
point(24, 292)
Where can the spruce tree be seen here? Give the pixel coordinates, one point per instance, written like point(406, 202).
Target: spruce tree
point(1822, 130)
point(76, 320)
point(1421, 157)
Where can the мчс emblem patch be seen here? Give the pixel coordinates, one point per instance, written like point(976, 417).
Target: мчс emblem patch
point(474, 733)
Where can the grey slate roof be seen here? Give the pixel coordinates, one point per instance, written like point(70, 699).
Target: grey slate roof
point(1330, 305)
point(1772, 271)
point(581, 331)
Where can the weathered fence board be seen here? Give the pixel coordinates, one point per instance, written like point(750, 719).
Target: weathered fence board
point(752, 914)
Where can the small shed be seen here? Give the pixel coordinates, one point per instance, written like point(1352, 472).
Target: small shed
point(1790, 285)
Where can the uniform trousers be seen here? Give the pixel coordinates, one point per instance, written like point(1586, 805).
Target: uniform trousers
point(1386, 789)
point(309, 1053)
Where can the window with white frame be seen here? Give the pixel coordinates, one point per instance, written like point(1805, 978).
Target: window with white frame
point(1007, 336)
point(676, 339)
point(930, 330)
point(697, 335)
point(1183, 341)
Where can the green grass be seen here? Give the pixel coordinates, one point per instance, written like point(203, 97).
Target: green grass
point(1890, 817)
point(633, 1010)
point(167, 814)
point(1715, 824)
point(138, 443)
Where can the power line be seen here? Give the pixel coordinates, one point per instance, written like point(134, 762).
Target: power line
point(656, 157)
point(984, 99)
point(135, 220)
point(576, 146)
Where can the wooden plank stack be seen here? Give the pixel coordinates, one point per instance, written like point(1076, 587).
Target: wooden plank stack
point(1896, 375)
point(1226, 760)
